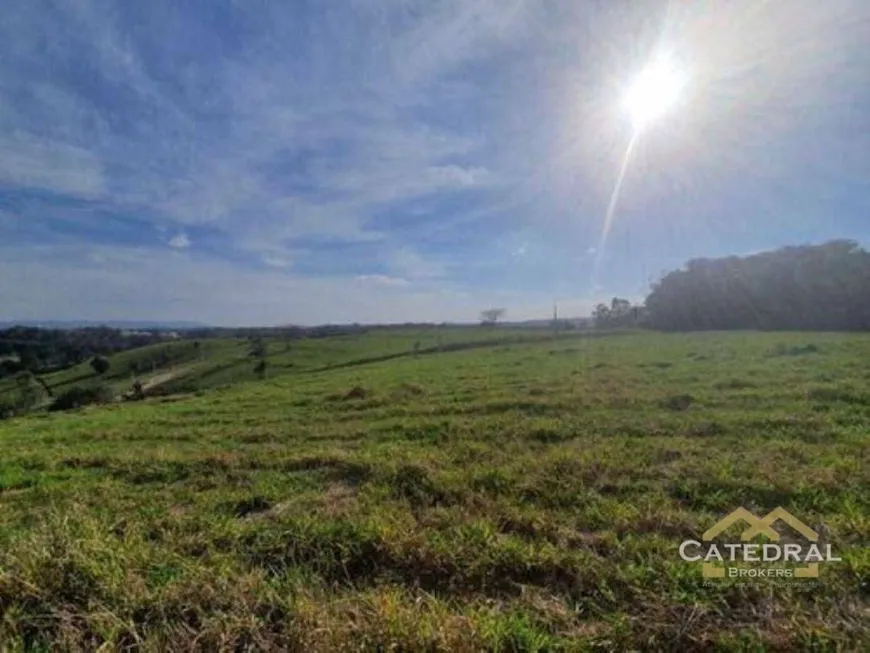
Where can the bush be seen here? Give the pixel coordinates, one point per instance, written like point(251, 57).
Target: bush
point(100, 365)
point(10, 367)
point(7, 409)
point(78, 397)
point(357, 392)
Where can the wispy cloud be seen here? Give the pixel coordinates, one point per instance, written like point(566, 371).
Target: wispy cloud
point(32, 162)
point(276, 261)
point(181, 241)
point(382, 280)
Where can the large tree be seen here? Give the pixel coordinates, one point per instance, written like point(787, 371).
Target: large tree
point(811, 287)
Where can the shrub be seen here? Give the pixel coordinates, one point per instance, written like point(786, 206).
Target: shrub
point(77, 397)
point(100, 365)
point(137, 391)
point(9, 367)
point(7, 409)
point(678, 402)
point(357, 392)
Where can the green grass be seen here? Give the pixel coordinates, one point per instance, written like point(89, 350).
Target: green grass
point(178, 367)
point(509, 497)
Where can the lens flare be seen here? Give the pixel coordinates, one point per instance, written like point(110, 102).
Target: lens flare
point(611, 209)
point(653, 92)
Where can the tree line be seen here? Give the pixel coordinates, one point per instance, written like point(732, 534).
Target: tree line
point(810, 287)
point(45, 350)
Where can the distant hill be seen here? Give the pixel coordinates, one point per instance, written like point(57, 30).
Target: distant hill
point(131, 325)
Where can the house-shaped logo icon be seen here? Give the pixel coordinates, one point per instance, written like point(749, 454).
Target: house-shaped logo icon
point(761, 526)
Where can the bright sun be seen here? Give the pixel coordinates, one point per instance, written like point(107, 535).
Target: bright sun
point(653, 92)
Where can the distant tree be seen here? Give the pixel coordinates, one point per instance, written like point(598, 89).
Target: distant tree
point(78, 396)
point(7, 408)
point(601, 314)
point(620, 313)
point(490, 316)
point(28, 393)
point(28, 359)
point(619, 307)
point(258, 348)
point(52, 349)
point(100, 365)
point(9, 367)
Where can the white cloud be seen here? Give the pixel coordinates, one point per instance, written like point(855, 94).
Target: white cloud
point(274, 261)
point(181, 241)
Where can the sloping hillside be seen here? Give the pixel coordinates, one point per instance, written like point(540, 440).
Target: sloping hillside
point(190, 366)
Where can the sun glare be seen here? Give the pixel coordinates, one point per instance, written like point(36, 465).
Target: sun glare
point(653, 92)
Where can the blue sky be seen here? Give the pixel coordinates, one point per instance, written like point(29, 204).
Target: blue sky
point(320, 161)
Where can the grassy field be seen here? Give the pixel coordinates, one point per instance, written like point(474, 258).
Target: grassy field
point(510, 496)
point(186, 365)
